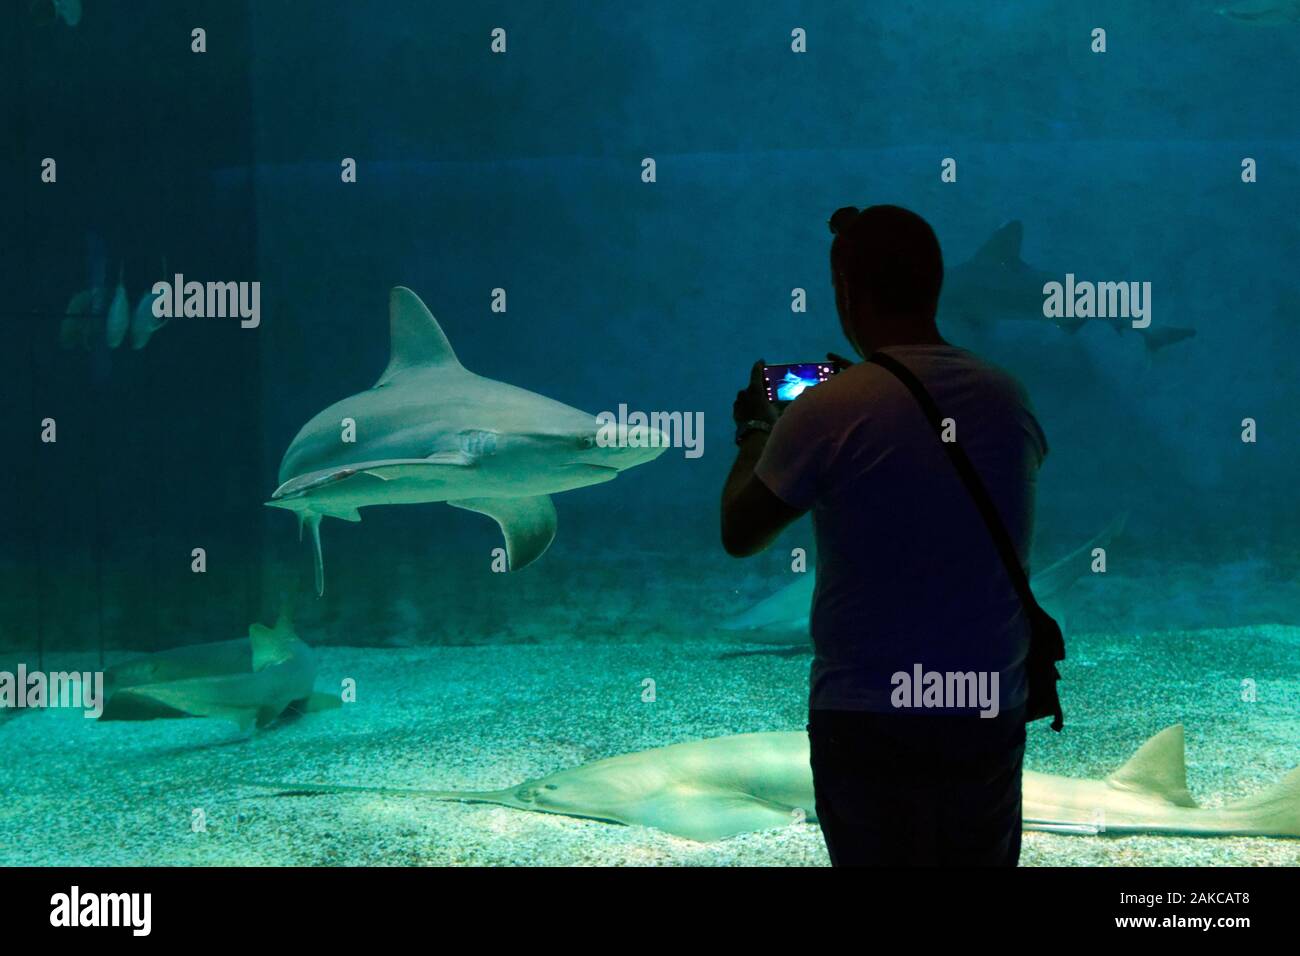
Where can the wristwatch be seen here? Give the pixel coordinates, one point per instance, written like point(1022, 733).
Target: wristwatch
point(753, 425)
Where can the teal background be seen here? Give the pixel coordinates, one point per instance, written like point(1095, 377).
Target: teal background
point(522, 172)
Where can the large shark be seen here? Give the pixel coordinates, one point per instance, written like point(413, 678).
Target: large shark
point(997, 285)
point(429, 430)
point(251, 682)
point(788, 609)
point(712, 789)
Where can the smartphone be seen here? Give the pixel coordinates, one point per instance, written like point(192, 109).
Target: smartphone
point(787, 382)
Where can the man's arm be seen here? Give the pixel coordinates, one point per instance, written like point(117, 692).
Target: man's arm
point(752, 516)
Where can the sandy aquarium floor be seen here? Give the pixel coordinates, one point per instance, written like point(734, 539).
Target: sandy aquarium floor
point(78, 792)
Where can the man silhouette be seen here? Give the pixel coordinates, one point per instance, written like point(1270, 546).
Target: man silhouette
point(909, 580)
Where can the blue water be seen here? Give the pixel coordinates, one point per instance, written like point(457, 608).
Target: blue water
point(523, 172)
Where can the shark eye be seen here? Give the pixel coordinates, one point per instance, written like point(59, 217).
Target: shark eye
point(587, 441)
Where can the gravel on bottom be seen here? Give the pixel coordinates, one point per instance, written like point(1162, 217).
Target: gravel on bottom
point(180, 792)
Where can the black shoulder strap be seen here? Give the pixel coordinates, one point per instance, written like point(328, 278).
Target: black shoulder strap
point(969, 476)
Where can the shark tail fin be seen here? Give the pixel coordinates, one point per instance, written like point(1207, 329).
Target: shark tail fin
point(1157, 769)
point(1276, 809)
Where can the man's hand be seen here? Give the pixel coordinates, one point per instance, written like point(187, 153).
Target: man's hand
point(751, 403)
point(752, 516)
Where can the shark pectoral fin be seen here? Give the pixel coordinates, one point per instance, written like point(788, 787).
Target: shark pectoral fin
point(264, 716)
point(319, 701)
point(297, 494)
point(420, 469)
point(1157, 769)
point(527, 523)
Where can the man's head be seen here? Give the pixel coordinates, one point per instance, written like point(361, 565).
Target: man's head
point(887, 271)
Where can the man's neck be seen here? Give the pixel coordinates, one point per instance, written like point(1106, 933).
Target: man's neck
point(903, 333)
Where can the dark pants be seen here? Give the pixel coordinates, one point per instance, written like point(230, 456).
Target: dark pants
point(909, 789)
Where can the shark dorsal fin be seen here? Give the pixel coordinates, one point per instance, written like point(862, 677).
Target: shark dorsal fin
point(415, 338)
point(1157, 769)
point(1004, 245)
point(272, 645)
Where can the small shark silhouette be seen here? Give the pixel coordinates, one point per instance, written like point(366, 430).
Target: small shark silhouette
point(997, 285)
point(251, 682)
point(1262, 12)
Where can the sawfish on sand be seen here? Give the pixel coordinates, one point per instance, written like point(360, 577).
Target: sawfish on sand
point(712, 789)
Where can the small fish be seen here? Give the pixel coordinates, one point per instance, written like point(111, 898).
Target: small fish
point(119, 315)
point(143, 321)
point(47, 11)
point(84, 311)
point(1262, 12)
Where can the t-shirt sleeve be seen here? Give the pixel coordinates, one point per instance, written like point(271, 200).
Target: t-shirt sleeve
point(795, 459)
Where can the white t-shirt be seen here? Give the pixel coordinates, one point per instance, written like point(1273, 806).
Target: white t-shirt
point(907, 573)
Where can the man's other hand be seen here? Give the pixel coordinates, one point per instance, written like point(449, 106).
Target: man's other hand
point(751, 403)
